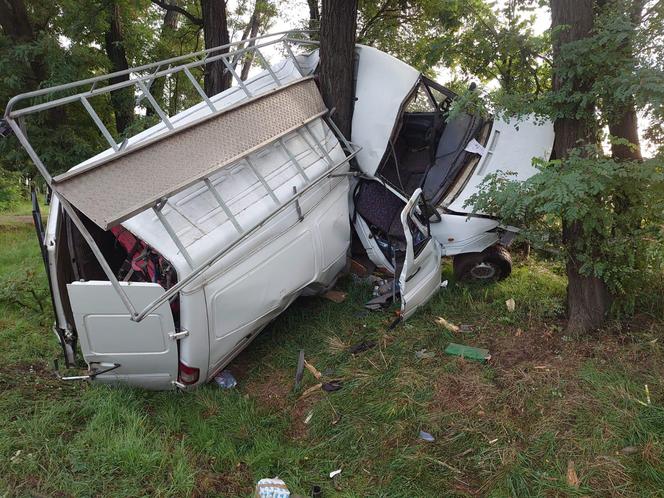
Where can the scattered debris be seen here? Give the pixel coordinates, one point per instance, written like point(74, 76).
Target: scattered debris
point(518, 333)
point(225, 380)
point(465, 328)
point(425, 436)
point(572, 478)
point(311, 390)
point(312, 369)
point(511, 305)
point(378, 302)
point(361, 347)
point(423, 354)
point(448, 325)
point(271, 488)
point(493, 441)
point(335, 296)
point(647, 393)
point(333, 385)
point(335, 473)
point(629, 450)
point(443, 284)
point(308, 417)
point(468, 352)
point(16, 458)
point(316, 491)
point(299, 371)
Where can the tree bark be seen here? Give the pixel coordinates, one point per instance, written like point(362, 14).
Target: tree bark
point(17, 27)
point(254, 24)
point(314, 14)
point(215, 33)
point(588, 299)
point(121, 100)
point(337, 49)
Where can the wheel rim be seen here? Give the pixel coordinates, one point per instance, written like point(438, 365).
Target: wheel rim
point(483, 271)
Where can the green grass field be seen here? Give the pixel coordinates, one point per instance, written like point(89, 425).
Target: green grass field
point(550, 415)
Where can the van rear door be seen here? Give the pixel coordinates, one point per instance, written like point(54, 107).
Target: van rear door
point(145, 351)
point(420, 276)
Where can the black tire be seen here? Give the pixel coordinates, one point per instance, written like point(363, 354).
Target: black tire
point(490, 265)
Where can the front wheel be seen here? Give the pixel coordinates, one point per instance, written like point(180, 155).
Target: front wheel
point(492, 264)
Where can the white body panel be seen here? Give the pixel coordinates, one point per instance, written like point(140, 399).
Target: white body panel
point(511, 147)
point(420, 276)
point(147, 356)
point(383, 83)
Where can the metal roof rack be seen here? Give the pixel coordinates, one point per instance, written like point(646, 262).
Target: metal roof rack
point(288, 108)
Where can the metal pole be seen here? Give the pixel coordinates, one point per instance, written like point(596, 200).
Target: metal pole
point(213, 259)
point(236, 76)
point(292, 158)
point(155, 105)
point(100, 125)
point(200, 91)
point(222, 204)
point(263, 181)
point(292, 55)
point(267, 66)
point(320, 147)
point(99, 255)
point(157, 210)
point(31, 152)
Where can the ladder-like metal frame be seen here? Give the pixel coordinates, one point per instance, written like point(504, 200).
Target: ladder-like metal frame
point(143, 84)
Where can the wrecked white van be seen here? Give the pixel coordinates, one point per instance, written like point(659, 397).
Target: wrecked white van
point(170, 251)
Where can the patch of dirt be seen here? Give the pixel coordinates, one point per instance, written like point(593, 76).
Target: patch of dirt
point(271, 391)
point(234, 483)
point(34, 381)
point(298, 429)
point(22, 219)
point(462, 390)
point(512, 348)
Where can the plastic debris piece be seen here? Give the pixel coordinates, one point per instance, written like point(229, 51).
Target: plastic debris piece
point(423, 354)
point(271, 488)
point(316, 491)
point(443, 284)
point(448, 325)
point(333, 385)
point(466, 328)
point(468, 352)
point(312, 369)
point(511, 304)
point(299, 371)
point(572, 478)
point(311, 390)
point(425, 436)
point(335, 296)
point(335, 473)
point(225, 380)
point(361, 347)
point(308, 417)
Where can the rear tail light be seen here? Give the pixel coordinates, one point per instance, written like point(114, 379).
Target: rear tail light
point(189, 375)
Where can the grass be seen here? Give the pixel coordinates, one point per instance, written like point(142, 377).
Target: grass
point(508, 428)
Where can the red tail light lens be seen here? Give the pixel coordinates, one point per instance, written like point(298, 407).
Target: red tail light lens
point(189, 375)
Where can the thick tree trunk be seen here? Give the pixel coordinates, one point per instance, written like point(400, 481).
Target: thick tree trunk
point(215, 33)
point(17, 27)
point(164, 51)
point(121, 100)
point(314, 14)
point(337, 45)
point(588, 299)
point(254, 24)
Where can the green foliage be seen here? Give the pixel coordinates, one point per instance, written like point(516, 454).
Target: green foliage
point(11, 192)
point(619, 205)
point(24, 287)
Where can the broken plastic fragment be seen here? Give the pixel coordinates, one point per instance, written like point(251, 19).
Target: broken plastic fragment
point(423, 354)
point(362, 346)
point(448, 325)
point(225, 380)
point(427, 437)
point(333, 385)
point(468, 352)
point(335, 473)
point(511, 305)
point(272, 488)
point(335, 296)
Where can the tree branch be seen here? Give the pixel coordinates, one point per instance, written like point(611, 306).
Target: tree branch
point(176, 8)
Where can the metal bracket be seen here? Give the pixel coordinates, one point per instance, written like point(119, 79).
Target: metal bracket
point(90, 376)
point(174, 336)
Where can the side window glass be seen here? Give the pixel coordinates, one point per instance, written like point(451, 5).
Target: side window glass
point(421, 101)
